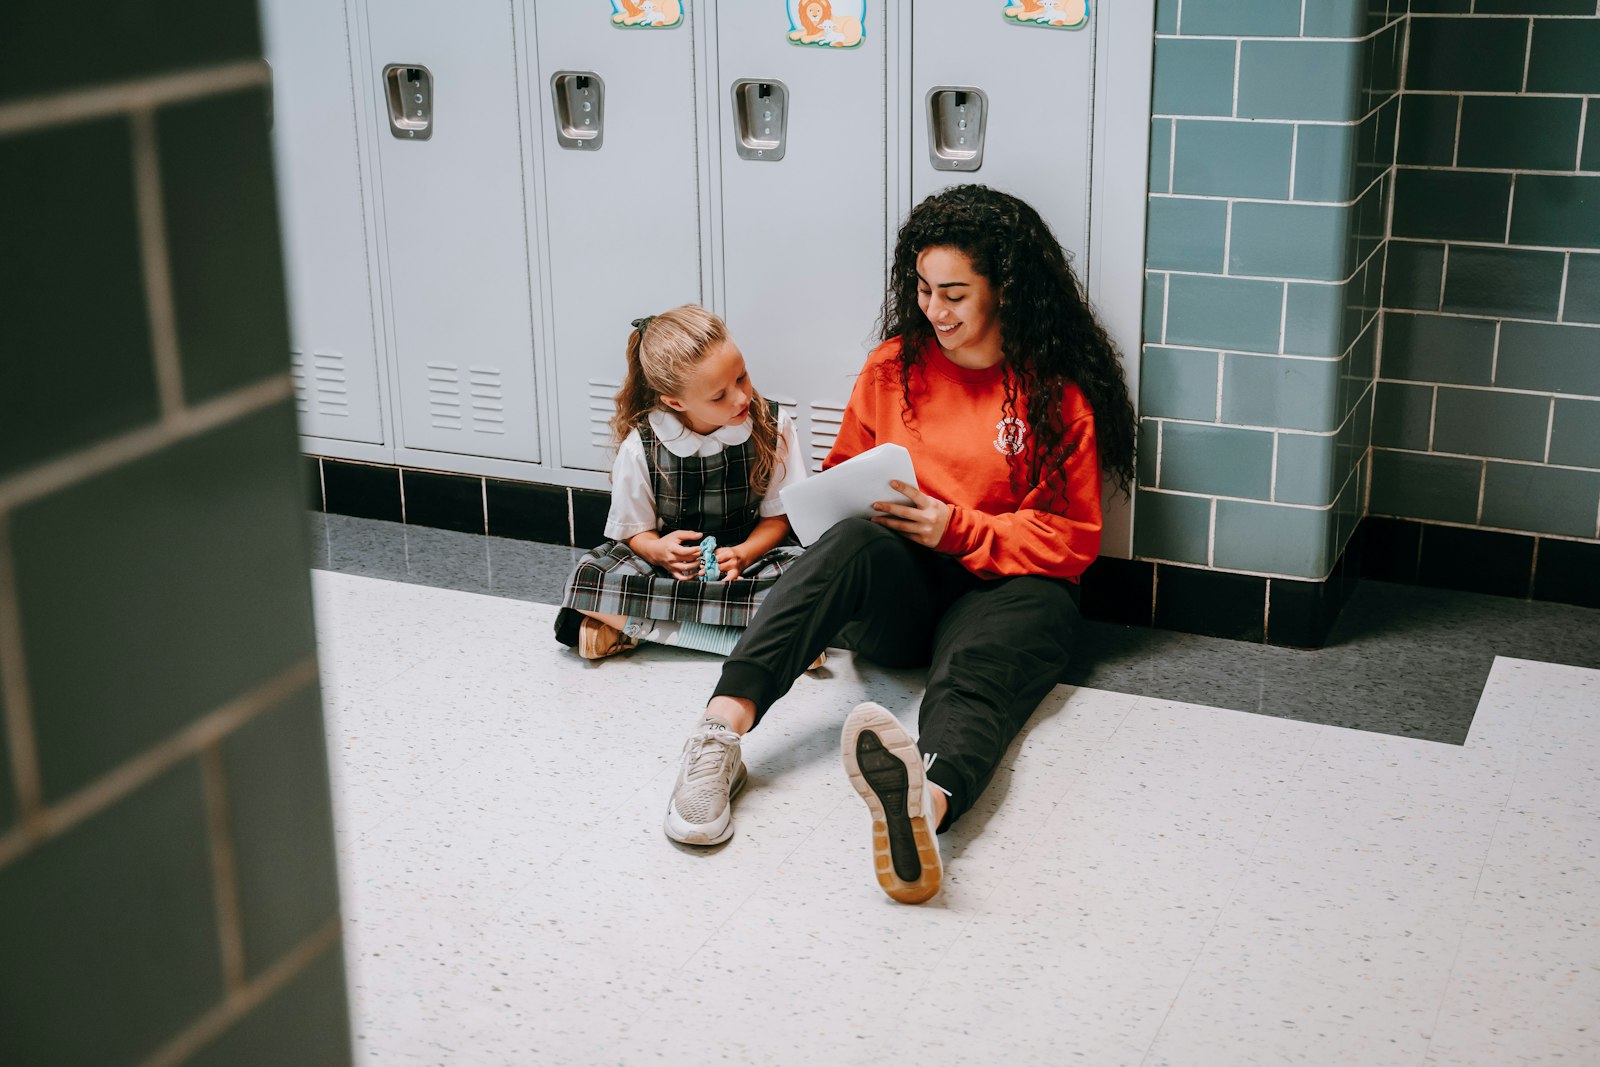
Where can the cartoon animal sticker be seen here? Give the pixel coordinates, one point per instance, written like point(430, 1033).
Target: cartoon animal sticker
point(1054, 14)
point(646, 14)
point(827, 23)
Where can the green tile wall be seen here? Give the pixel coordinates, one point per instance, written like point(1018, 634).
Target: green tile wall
point(168, 693)
point(1278, 540)
point(118, 915)
point(73, 378)
point(1216, 460)
point(1581, 299)
point(278, 803)
point(1554, 500)
point(219, 511)
point(223, 240)
point(1497, 389)
point(1272, 143)
point(1575, 433)
point(1306, 469)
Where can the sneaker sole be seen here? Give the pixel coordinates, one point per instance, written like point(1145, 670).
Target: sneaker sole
point(688, 833)
point(885, 767)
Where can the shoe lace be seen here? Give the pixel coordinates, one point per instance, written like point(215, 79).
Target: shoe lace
point(706, 756)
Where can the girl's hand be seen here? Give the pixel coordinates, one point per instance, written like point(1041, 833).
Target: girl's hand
point(672, 556)
point(923, 520)
point(730, 561)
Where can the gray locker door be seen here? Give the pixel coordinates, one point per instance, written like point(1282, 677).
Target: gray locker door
point(455, 232)
point(333, 351)
point(803, 237)
point(1040, 88)
point(621, 222)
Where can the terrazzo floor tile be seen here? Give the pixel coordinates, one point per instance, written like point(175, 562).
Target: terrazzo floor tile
point(1146, 881)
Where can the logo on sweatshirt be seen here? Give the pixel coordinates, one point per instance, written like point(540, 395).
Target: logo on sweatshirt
point(1011, 434)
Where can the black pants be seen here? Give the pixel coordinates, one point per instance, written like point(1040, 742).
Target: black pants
point(995, 646)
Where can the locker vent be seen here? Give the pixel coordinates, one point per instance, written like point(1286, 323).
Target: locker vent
point(323, 386)
point(444, 396)
point(602, 405)
point(488, 399)
point(825, 422)
point(485, 399)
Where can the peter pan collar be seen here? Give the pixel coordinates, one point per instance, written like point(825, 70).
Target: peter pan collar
point(682, 441)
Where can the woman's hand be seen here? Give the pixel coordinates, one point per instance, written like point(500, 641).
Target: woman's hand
point(671, 554)
point(923, 520)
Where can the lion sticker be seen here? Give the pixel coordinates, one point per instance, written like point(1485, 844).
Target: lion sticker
point(827, 24)
point(1055, 14)
point(646, 14)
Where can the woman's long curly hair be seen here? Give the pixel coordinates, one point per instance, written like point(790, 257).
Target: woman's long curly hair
point(662, 353)
point(1049, 335)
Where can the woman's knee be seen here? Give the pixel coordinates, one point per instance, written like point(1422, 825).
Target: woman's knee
point(854, 535)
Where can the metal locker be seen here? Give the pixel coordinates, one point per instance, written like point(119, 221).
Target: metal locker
point(1025, 92)
point(620, 229)
point(803, 176)
point(334, 354)
point(457, 289)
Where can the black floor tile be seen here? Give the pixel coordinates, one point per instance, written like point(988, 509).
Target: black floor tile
point(1476, 561)
point(1118, 591)
point(444, 501)
point(313, 477)
point(362, 490)
point(1568, 572)
point(1389, 549)
point(528, 512)
point(1212, 603)
point(589, 510)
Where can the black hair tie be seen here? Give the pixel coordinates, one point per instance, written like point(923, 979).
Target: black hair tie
point(640, 324)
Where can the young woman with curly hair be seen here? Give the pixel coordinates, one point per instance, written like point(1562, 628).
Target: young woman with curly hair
point(994, 373)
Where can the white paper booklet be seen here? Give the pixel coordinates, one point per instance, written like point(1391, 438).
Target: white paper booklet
point(814, 504)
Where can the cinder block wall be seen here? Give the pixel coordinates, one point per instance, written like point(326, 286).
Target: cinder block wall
point(1488, 405)
point(167, 884)
point(1272, 151)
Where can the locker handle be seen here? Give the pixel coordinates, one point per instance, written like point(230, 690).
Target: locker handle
point(957, 116)
point(579, 98)
point(760, 118)
point(409, 89)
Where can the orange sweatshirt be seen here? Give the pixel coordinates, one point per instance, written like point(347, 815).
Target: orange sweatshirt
point(959, 441)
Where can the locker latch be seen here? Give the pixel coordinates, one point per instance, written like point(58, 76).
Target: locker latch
point(956, 118)
point(409, 88)
point(579, 98)
point(760, 118)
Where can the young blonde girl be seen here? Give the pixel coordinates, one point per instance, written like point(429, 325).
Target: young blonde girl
point(700, 454)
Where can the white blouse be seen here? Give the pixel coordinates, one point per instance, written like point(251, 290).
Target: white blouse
point(633, 506)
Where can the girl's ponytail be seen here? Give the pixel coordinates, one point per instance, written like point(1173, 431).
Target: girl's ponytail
point(636, 398)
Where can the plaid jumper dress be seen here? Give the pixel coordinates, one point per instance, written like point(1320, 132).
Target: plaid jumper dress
point(711, 494)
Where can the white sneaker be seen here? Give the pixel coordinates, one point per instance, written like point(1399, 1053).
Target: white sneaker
point(701, 809)
point(885, 767)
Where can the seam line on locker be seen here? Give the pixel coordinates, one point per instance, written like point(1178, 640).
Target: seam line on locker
point(366, 235)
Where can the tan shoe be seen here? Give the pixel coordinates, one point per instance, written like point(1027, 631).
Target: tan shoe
point(596, 640)
point(820, 662)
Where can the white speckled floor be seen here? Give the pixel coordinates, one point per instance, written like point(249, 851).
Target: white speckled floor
point(1146, 882)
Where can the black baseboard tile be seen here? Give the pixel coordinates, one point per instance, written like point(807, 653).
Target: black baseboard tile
point(589, 510)
point(1211, 603)
point(444, 501)
point(313, 477)
point(1568, 572)
point(1389, 549)
point(362, 489)
point(1118, 591)
point(1476, 561)
point(1300, 614)
point(528, 511)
